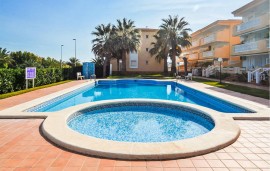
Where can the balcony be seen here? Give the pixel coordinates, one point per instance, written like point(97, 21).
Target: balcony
point(254, 24)
point(217, 37)
point(209, 38)
point(193, 56)
point(208, 54)
point(257, 47)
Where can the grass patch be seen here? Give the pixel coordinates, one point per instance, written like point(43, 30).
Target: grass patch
point(3, 96)
point(241, 89)
point(147, 76)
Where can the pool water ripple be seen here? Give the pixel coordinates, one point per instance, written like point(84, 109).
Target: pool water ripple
point(140, 124)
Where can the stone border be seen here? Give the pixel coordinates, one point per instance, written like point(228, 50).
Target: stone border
point(225, 132)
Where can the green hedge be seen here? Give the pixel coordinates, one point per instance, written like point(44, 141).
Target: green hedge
point(14, 79)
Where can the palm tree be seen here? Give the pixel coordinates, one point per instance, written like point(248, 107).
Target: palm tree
point(72, 61)
point(103, 44)
point(128, 39)
point(97, 61)
point(161, 49)
point(5, 58)
point(177, 33)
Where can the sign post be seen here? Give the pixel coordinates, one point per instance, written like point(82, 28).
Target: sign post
point(30, 74)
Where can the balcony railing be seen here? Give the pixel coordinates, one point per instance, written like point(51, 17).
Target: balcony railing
point(209, 38)
point(254, 24)
point(247, 25)
point(260, 46)
point(208, 54)
point(246, 47)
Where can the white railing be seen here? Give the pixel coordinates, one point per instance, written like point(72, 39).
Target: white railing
point(208, 54)
point(233, 70)
point(210, 70)
point(246, 47)
point(209, 38)
point(248, 25)
point(255, 75)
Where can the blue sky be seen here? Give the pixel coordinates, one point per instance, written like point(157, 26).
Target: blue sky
point(41, 26)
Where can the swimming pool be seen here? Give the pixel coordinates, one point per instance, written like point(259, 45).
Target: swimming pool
point(148, 89)
point(141, 122)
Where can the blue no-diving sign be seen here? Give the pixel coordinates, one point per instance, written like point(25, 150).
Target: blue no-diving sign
point(30, 73)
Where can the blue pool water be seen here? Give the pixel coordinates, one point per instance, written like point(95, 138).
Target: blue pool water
point(149, 89)
point(141, 123)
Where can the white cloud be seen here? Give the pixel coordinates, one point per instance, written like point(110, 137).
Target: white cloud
point(195, 8)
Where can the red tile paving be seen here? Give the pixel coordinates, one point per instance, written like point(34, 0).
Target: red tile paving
point(22, 147)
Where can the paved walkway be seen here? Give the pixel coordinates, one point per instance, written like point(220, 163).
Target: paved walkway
point(22, 147)
point(15, 100)
point(238, 83)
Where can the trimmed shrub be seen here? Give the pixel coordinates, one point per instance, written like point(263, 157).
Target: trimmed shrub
point(14, 79)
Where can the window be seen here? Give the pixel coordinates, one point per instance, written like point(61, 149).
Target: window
point(133, 60)
point(133, 63)
point(146, 62)
point(146, 49)
point(147, 36)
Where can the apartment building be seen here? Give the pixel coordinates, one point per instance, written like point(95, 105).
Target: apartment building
point(142, 61)
point(254, 34)
point(212, 42)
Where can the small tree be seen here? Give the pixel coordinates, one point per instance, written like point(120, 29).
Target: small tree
point(5, 58)
point(72, 61)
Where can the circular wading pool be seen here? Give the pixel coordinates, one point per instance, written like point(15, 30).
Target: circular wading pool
point(140, 129)
point(141, 122)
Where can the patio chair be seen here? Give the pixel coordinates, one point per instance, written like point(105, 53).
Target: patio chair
point(189, 76)
point(80, 76)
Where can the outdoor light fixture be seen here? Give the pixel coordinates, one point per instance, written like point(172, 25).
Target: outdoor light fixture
point(61, 56)
point(75, 52)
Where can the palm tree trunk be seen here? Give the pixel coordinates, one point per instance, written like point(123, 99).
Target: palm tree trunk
point(166, 50)
point(118, 69)
point(165, 69)
point(173, 69)
point(124, 58)
point(104, 67)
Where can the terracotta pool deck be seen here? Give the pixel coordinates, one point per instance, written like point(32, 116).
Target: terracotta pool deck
point(22, 147)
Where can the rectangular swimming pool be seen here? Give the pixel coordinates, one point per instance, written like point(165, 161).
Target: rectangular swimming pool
point(148, 89)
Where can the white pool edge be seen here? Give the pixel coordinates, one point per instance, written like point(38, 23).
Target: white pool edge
point(225, 132)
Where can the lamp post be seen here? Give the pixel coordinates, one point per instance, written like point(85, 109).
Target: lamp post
point(75, 52)
point(220, 61)
point(61, 56)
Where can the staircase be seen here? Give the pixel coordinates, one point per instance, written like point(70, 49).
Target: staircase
point(258, 75)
